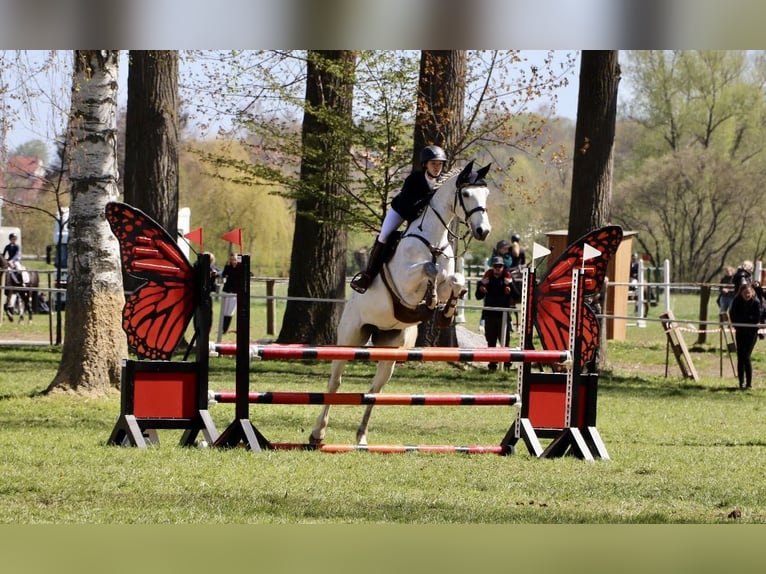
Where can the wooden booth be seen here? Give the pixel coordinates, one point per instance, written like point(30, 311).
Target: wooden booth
point(618, 274)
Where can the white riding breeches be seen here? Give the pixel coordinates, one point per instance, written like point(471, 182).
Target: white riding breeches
point(391, 223)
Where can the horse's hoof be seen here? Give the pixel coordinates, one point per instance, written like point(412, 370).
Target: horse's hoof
point(313, 441)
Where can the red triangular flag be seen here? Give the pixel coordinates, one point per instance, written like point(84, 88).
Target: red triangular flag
point(234, 236)
point(196, 236)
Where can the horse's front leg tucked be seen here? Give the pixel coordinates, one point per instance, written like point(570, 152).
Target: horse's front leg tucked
point(457, 290)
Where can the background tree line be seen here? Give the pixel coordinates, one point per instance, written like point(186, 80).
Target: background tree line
point(689, 134)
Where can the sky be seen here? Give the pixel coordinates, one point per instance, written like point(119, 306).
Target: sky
point(25, 131)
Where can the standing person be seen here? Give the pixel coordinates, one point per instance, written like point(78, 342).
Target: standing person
point(215, 275)
point(495, 289)
point(746, 313)
point(232, 283)
point(518, 256)
point(407, 205)
point(743, 274)
point(727, 289)
point(502, 249)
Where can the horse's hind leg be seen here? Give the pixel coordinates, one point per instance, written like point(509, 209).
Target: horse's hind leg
point(404, 338)
point(320, 427)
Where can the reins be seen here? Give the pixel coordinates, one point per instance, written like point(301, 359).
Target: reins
point(458, 198)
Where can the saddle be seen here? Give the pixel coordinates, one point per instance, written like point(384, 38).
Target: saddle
point(402, 311)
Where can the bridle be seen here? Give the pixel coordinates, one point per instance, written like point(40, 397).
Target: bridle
point(457, 199)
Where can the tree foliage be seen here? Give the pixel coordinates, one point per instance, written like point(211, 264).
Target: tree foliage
point(691, 181)
point(220, 201)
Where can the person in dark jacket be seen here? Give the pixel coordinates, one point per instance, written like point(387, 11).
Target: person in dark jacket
point(727, 289)
point(233, 277)
point(407, 205)
point(746, 313)
point(743, 274)
point(495, 289)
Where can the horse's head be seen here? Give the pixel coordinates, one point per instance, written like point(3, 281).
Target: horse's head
point(472, 193)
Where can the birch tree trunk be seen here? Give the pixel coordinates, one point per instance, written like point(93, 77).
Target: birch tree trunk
point(95, 344)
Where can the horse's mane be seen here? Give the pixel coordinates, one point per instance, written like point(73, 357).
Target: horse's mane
point(445, 176)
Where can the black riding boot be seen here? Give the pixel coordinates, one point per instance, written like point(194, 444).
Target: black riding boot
point(226, 323)
point(362, 281)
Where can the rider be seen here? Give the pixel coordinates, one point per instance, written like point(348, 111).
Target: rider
point(12, 251)
point(407, 205)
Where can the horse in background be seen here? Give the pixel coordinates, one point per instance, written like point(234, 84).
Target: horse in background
point(21, 290)
point(417, 283)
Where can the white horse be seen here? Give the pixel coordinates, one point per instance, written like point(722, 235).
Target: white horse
point(420, 274)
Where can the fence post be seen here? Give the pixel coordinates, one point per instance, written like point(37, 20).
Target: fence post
point(666, 273)
point(271, 307)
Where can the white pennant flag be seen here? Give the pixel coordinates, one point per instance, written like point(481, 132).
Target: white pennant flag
point(539, 251)
point(589, 252)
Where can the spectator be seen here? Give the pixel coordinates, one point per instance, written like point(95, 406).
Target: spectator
point(215, 275)
point(495, 289)
point(727, 289)
point(634, 269)
point(518, 257)
point(746, 313)
point(407, 205)
point(232, 284)
point(502, 249)
point(744, 274)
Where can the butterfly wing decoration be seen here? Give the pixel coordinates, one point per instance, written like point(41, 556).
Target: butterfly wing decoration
point(158, 311)
point(553, 292)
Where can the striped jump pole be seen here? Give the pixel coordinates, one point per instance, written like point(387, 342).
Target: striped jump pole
point(432, 354)
point(395, 448)
point(309, 398)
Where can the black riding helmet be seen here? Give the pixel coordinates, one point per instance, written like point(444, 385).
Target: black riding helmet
point(432, 152)
point(12, 236)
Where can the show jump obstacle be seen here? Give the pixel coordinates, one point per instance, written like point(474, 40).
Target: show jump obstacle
point(560, 405)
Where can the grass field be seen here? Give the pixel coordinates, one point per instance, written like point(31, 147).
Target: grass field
point(681, 451)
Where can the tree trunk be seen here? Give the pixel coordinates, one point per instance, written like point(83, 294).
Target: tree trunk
point(318, 260)
point(95, 343)
point(593, 158)
point(151, 136)
point(590, 205)
point(439, 121)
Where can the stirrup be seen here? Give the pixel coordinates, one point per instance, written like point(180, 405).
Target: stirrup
point(361, 282)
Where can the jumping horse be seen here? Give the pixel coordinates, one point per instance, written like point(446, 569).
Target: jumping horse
point(20, 297)
point(417, 283)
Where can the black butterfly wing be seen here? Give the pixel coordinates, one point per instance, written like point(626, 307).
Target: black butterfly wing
point(157, 313)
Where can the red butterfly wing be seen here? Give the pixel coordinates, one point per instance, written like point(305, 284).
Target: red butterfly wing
point(553, 293)
point(157, 313)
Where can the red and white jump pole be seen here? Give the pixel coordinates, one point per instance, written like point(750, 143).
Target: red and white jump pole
point(354, 399)
point(441, 354)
